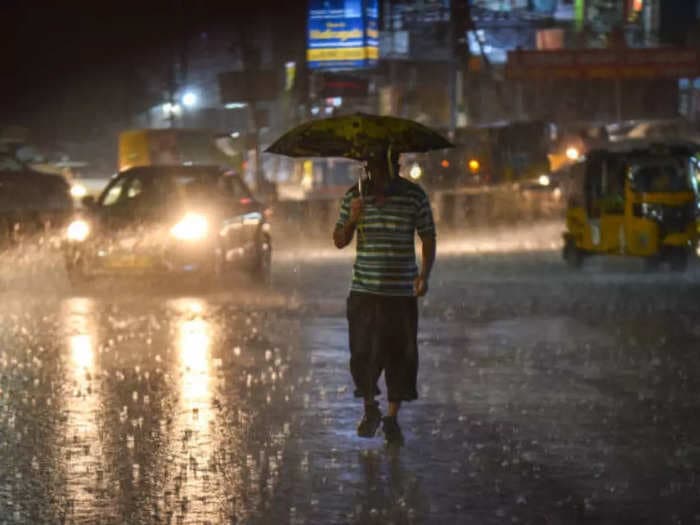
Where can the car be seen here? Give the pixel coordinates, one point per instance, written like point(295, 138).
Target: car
point(30, 202)
point(170, 220)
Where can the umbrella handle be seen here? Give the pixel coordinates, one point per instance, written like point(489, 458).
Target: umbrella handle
point(389, 163)
point(360, 189)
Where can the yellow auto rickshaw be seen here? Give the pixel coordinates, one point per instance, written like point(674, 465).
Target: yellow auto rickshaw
point(634, 199)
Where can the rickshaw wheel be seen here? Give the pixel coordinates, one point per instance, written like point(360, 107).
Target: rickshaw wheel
point(572, 255)
point(678, 261)
point(652, 264)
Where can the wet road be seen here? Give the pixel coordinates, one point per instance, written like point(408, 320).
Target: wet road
point(546, 397)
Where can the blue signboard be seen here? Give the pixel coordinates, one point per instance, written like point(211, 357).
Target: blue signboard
point(342, 34)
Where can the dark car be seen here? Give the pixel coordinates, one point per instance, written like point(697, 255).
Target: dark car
point(30, 201)
point(170, 220)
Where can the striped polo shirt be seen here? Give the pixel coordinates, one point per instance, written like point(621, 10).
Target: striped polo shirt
point(385, 263)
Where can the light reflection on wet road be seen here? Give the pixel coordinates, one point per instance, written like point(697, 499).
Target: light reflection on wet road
point(546, 397)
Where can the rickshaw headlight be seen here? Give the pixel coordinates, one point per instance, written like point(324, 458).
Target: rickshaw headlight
point(652, 211)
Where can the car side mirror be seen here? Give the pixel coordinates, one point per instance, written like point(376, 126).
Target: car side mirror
point(88, 202)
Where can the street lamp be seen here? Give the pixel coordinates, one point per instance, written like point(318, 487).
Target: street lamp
point(189, 99)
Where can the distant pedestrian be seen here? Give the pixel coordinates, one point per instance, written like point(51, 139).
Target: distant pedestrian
point(385, 213)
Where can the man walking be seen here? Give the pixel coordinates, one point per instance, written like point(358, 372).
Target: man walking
point(382, 306)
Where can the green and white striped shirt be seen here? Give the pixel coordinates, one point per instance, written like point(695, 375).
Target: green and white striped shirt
point(385, 262)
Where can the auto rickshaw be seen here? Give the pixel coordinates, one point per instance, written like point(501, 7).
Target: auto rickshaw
point(634, 199)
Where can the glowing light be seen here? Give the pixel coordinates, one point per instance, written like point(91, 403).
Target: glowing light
point(194, 416)
point(474, 165)
point(81, 351)
point(78, 230)
point(416, 172)
point(572, 153)
point(192, 227)
point(194, 342)
point(445, 163)
point(78, 191)
point(171, 109)
point(190, 99)
point(544, 180)
point(196, 308)
point(82, 405)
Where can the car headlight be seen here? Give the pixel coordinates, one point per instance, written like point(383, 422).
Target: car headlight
point(192, 227)
point(544, 180)
point(78, 230)
point(78, 191)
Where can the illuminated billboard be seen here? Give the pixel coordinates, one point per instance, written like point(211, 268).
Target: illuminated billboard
point(342, 34)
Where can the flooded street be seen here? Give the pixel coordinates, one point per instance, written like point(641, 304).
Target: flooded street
point(546, 396)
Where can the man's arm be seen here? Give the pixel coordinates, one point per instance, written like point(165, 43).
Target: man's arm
point(345, 230)
point(342, 235)
point(428, 248)
point(426, 231)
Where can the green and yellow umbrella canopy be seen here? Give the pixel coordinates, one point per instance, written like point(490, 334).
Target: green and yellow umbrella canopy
point(359, 137)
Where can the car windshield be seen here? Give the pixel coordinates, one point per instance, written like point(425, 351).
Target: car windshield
point(664, 176)
point(164, 185)
point(189, 186)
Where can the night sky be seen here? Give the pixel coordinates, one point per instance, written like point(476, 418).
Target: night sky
point(48, 46)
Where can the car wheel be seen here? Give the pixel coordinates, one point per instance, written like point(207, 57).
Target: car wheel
point(572, 255)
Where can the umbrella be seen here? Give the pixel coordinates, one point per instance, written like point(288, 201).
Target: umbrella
point(359, 136)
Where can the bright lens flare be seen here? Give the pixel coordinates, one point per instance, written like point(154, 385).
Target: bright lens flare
point(192, 227)
point(78, 191)
point(78, 230)
point(572, 153)
point(544, 180)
